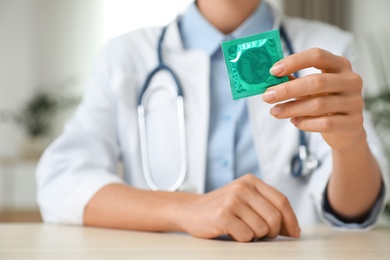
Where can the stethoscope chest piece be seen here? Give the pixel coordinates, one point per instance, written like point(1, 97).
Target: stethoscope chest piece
point(304, 163)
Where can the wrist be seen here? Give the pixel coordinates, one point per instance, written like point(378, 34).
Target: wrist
point(357, 141)
point(178, 213)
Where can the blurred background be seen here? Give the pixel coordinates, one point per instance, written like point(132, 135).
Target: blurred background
point(48, 46)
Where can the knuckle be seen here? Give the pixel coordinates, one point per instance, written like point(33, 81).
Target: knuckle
point(262, 231)
point(359, 120)
point(286, 91)
point(222, 219)
point(250, 177)
point(357, 82)
point(272, 235)
point(319, 82)
point(276, 217)
point(347, 63)
point(359, 103)
point(221, 226)
point(318, 53)
point(293, 61)
point(319, 104)
point(231, 202)
point(282, 202)
point(326, 124)
point(274, 221)
point(220, 215)
point(237, 188)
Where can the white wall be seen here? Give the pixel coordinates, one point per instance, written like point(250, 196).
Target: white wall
point(17, 70)
point(124, 15)
point(370, 22)
point(43, 42)
point(121, 16)
point(68, 36)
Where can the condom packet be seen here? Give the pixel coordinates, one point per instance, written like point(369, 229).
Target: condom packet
point(248, 61)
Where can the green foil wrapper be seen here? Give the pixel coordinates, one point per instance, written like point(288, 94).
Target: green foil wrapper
point(248, 61)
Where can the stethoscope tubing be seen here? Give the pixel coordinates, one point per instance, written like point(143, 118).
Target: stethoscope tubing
point(181, 121)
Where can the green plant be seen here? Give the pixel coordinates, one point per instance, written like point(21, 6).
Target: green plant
point(36, 117)
point(379, 107)
point(379, 104)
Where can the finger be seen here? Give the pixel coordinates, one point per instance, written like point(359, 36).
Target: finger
point(284, 231)
point(264, 208)
point(291, 77)
point(315, 57)
point(281, 203)
point(267, 211)
point(318, 106)
point(240, 231)
point(253, 220)
point(335, 124)
point(314, 84)
point(252, 200)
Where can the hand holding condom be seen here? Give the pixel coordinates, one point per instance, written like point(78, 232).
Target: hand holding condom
point(330, 103)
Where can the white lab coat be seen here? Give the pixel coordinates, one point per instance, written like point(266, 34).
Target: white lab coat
point(105, 127)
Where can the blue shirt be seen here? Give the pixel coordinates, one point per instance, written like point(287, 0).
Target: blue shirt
point(231, 151)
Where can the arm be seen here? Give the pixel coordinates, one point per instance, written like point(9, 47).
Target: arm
point(245, 209)
point(355, 171)
point(331, 103)
point(124, 207)
point(84, 158)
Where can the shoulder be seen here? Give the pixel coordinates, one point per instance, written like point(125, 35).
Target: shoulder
point(309, 34)
point(125, 55)
point(131, 42)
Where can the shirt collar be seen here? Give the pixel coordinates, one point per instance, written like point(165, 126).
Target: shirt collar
point(198, 33)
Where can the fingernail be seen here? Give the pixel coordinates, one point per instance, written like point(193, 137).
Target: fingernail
point(297, 232)
point(295, 120)
point(277, 69)
point(275, 111)
point(269, 95)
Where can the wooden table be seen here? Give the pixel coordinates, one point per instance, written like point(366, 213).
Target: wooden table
point(39, 241)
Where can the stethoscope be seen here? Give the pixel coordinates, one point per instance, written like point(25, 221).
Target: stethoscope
point(303, 163)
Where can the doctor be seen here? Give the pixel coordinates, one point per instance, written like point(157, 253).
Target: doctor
point(238, 173)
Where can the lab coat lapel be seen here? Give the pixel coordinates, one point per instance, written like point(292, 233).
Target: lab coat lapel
point(193, 70)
